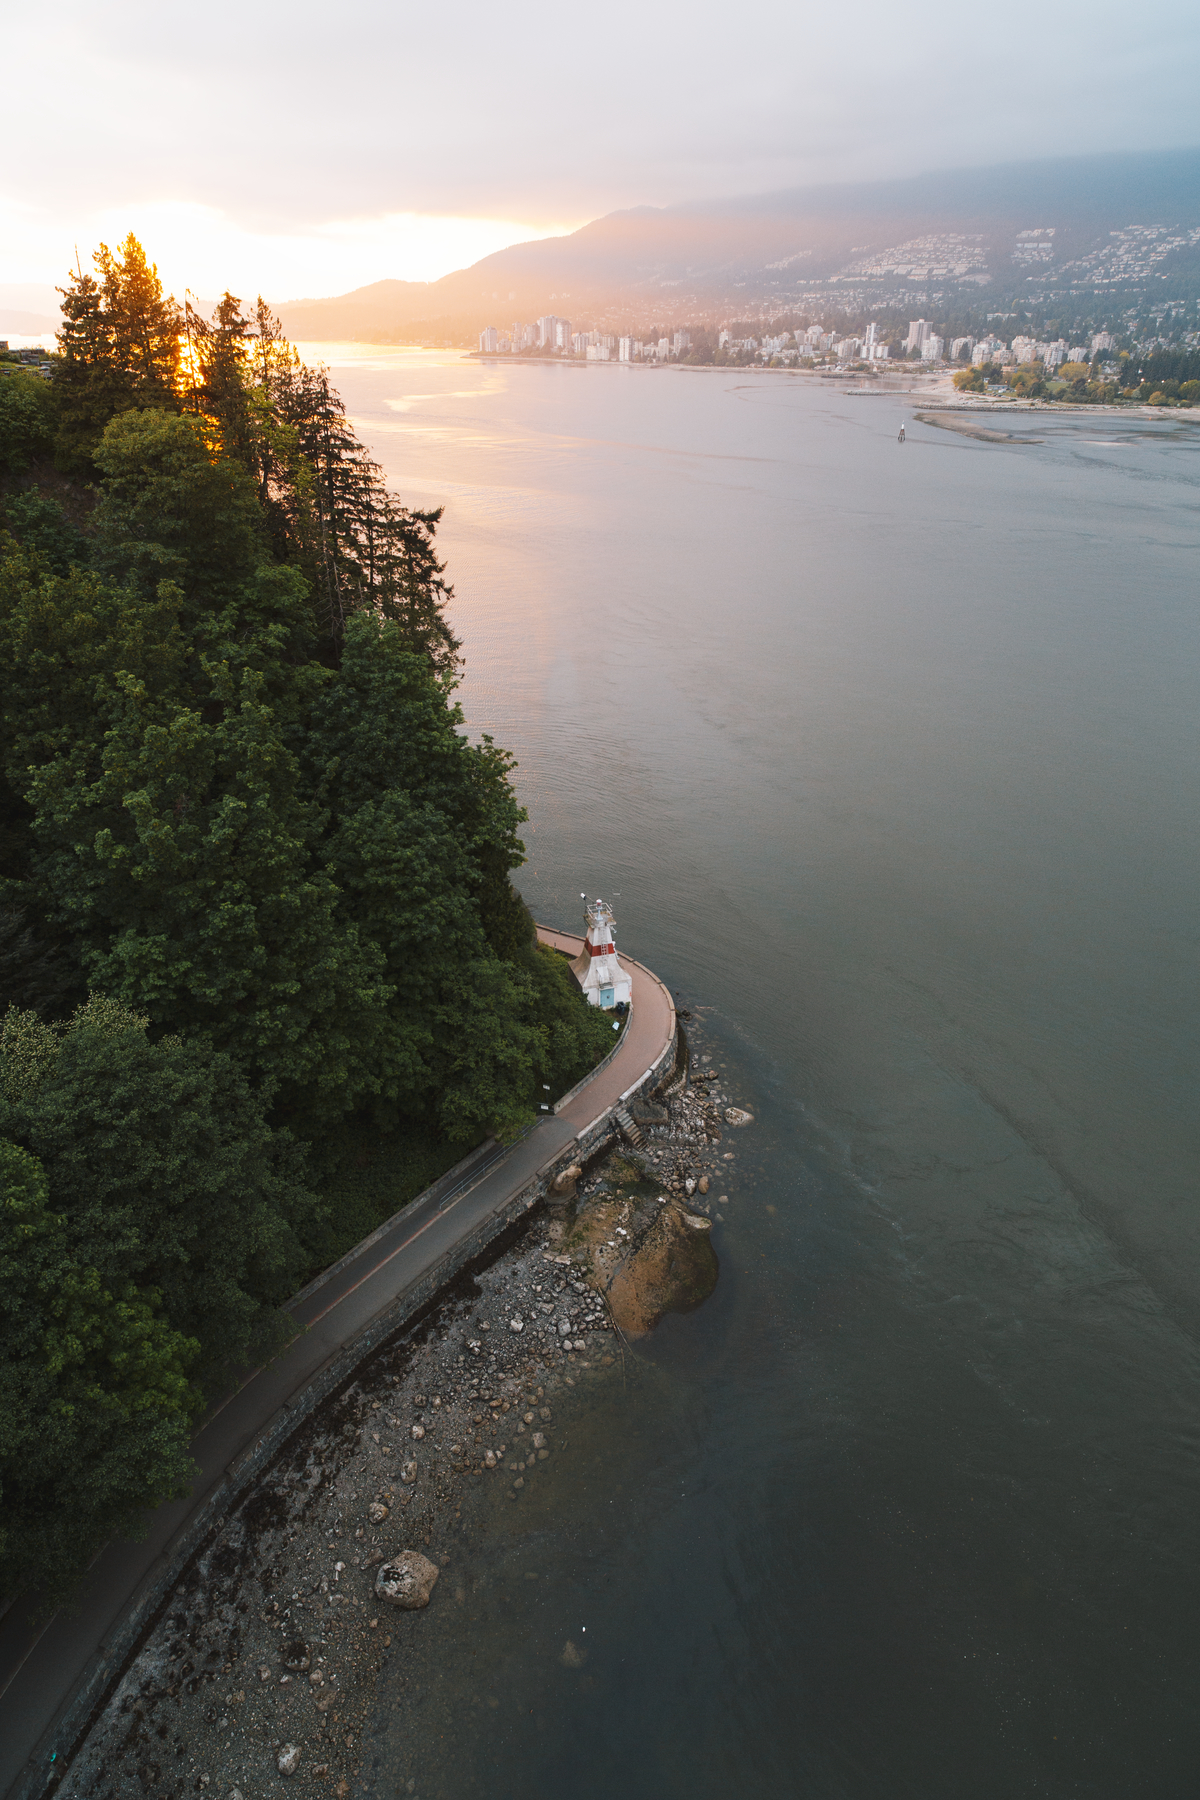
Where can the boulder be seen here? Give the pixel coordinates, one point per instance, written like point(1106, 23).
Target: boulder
point(407, 1580)
point(377, 1512)
point(288, 1760)
point(734, 1115)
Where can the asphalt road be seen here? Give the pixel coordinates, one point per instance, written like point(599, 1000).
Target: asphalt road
point(40, 1667)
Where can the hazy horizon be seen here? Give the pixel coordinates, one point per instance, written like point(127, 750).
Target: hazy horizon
point(436, 143)
point(21, 301)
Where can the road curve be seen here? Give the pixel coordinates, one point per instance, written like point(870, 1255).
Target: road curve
point(644, 1042)
point(46, 1672)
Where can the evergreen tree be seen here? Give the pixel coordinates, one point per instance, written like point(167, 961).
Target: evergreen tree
point(119, 348)
point(218, 355)
point(329, 510)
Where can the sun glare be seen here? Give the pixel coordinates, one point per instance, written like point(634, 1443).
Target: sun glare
point(201, 248)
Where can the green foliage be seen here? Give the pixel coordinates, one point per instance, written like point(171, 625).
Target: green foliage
point(34, 974)
point(40, 526)
point(167, 511)
point(28, 420)
point(177, 842)
point(1026, 380)
point(95, 1397)
point(238, 806)
point(422, 825)
point(366, 1175)
point(576, 1035)
point(159, 1155)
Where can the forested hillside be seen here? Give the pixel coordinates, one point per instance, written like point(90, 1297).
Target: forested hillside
point(262, 969)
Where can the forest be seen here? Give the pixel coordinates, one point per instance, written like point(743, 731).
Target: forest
point(263, 972)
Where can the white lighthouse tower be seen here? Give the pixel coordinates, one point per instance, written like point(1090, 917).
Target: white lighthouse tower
point(597, 968)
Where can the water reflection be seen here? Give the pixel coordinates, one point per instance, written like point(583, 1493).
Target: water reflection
point(892, 755)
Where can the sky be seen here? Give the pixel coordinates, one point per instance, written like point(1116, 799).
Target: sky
point(306, 150)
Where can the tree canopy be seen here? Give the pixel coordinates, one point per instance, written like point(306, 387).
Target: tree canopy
point(256, 878)
point(95, 1397)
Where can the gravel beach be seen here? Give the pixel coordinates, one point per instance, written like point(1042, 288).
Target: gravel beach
point(261, 1670)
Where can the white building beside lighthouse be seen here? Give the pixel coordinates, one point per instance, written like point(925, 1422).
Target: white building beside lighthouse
point(597, 968)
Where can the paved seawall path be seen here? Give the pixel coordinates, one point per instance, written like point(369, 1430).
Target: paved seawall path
point(53, 1678)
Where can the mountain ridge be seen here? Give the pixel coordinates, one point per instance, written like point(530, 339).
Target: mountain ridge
point(1005, 229)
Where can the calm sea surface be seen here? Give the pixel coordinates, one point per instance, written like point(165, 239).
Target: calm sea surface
point(891, 755)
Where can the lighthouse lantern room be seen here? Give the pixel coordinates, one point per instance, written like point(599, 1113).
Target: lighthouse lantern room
point(597, 968)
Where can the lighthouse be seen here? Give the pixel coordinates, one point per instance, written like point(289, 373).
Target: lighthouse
point(597, 968)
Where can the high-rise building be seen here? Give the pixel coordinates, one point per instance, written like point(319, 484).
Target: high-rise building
point(625, 350)
point(683, 341)
point(554, 333)
point(986, 350)
point(918, 331)
point(931, 347)
point(489, 340)
point(961, 347)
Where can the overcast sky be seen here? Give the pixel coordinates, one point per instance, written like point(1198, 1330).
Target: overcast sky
point(306, 149)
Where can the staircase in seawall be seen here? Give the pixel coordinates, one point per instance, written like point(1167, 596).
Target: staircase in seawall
point(630, 1130)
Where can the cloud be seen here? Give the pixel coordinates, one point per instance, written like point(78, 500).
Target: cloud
point(290, 125)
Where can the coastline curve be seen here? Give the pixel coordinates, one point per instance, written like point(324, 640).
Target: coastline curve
point(55, 1678)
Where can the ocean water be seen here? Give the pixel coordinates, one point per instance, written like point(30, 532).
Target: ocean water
point(889, 754)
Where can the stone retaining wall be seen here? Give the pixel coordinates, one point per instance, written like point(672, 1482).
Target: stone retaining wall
point(154, 1592)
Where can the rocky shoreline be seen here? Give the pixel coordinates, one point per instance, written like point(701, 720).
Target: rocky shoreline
point(261, 1670)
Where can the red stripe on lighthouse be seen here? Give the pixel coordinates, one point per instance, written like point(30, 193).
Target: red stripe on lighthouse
point(601, 950)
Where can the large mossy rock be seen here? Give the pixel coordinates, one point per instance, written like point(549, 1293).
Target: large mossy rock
point(642, 1249)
